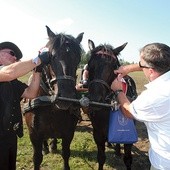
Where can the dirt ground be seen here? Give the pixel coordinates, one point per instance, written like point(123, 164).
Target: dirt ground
point(139, 150)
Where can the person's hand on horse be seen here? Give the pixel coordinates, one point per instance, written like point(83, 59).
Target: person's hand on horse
point(44, 57)
point(117, 83)
point(122, 70)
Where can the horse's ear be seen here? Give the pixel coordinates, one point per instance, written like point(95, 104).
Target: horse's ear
point(80, 37)
point(119, 49)
point(91, 45)
point(50, 33)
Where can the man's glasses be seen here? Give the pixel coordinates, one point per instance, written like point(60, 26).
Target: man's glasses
point(143, 66)
point(10, 52)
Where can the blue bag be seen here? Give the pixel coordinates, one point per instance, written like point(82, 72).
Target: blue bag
point(121, 129)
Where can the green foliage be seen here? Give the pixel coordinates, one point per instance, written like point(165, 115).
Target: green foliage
point(84, 59)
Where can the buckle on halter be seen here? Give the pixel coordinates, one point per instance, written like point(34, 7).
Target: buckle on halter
point(16, 126)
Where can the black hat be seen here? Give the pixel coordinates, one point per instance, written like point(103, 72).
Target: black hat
point(13, 47)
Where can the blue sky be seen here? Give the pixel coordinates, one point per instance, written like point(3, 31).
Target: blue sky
point(137, 22)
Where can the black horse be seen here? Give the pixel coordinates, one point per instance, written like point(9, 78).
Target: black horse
point(47, 116)
point(103, 60)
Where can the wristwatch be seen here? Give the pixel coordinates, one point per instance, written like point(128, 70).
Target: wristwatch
point(117, 92)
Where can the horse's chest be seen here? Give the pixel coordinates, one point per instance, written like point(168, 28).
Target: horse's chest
point(55, 122)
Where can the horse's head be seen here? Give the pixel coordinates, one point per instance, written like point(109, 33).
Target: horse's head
point(103, 61)
point(65, 54)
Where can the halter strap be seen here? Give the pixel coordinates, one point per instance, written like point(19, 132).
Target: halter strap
point(102, 82)
point(105, 53)
point(65, 77)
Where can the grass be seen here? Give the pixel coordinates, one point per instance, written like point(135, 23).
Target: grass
point(83, 148)
point(140, 80)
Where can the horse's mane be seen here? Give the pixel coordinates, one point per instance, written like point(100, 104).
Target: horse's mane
point(106, 51)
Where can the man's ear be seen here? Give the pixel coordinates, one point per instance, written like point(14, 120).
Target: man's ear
point(153, 74)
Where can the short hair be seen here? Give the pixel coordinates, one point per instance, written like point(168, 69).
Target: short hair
point(157, 56)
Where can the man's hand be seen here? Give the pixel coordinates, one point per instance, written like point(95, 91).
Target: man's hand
point(121, 70)
point(117, 83)
point(44, 57)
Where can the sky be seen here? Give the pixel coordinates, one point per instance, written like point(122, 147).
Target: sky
point(115, 22)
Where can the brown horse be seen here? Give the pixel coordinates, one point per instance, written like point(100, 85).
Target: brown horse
point(103, 60)
point(47, 116)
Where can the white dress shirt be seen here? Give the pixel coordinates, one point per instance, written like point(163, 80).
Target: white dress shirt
point(153, 108)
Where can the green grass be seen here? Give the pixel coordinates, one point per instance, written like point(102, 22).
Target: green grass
point(83, 148)
point(83, 154)
point(140, 80)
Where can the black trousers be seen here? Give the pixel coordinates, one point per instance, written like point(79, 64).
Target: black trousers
point(8, 151)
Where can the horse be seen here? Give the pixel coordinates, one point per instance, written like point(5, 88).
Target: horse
point(102, 63)
point(47, 116)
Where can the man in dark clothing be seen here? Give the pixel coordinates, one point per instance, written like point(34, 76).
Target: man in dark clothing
point(11, 93)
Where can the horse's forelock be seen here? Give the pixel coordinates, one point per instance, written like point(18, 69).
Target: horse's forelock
point(63, 39)
point(106, 52)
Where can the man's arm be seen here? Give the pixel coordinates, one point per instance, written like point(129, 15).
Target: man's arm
point(124, 70)
point(15, 70)
point(33, 86)
point(18, 69)
point(116, 86)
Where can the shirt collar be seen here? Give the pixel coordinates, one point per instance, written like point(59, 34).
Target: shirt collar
point(164, 77)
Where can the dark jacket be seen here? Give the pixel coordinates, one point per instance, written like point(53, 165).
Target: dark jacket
point(10, 109)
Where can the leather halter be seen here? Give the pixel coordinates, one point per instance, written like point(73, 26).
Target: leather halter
point(105, 53)
point(102, 53)
point(65, 77)
point(101, 82)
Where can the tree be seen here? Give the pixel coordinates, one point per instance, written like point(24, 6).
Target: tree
point(84, 58)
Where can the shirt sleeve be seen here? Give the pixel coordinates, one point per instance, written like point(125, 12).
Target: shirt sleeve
point(149, 107)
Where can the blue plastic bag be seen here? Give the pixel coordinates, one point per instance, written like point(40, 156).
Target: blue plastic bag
point(121, 129)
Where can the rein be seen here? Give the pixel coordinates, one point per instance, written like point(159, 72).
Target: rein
point(65, 77)
point(109, 97)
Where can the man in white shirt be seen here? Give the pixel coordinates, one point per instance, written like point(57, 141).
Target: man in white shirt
point(152, 106)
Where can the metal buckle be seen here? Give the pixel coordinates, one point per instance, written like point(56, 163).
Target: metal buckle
point(16, 126)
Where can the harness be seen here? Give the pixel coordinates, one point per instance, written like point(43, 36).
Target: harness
point(128, 89)
point(84, 101)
